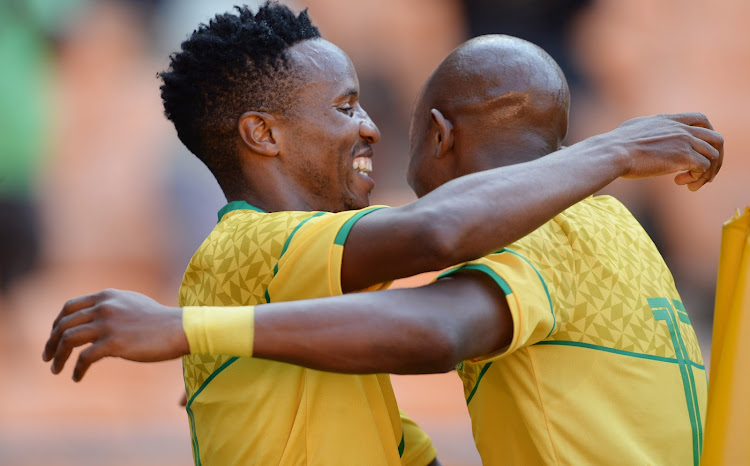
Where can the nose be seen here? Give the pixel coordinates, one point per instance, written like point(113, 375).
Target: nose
point(368, 129)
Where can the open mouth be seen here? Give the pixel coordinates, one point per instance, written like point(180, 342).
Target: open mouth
point(362, 165)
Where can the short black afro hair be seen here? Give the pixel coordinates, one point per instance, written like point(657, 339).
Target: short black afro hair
point(233, 64)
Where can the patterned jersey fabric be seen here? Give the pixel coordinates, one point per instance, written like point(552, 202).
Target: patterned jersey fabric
point(604, 366)
point(252, 411)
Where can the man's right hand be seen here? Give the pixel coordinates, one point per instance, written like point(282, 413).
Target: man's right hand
point(664, 144)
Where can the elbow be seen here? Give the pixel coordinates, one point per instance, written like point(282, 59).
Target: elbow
point(441, 240)
point(440, 349)
point(445, 359)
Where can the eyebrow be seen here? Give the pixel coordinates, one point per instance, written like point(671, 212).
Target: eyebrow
point(348, 93)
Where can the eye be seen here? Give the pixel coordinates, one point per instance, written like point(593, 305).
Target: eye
point(347, 110)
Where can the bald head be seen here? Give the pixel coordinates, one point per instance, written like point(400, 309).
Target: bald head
point(505, 100)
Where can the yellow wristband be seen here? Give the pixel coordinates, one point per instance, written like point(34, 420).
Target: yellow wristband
point(219, 330)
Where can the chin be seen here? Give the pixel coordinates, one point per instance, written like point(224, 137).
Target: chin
point(358, 203)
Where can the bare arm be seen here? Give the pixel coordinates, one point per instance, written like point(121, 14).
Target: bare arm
point(474, 215)
point(409, 331)
point(419, 330)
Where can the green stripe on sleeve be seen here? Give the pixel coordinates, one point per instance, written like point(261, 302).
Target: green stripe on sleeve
point(544, 284)
point(481, 268)
point(346, 228)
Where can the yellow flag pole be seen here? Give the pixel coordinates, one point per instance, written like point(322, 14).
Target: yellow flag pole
point(727, 434)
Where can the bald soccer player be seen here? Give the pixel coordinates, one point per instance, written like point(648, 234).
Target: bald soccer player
point(421, 330)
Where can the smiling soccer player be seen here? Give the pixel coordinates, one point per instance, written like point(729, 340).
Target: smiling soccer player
point(273, 111)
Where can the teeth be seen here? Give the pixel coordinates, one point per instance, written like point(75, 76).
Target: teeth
point(362, 164)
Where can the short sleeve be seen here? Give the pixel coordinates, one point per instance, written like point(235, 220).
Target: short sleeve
point(527, 295)
point(310, 263)
point(418, 448)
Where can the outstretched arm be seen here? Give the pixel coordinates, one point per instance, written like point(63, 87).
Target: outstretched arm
point(419, 330)
point(476, 214)
point(406, 331)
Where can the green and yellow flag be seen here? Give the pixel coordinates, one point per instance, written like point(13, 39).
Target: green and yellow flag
point(727, 440)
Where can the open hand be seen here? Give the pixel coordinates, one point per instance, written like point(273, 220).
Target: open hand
point(116, 323)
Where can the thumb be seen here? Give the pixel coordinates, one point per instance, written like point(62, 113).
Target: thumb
point(686, 178)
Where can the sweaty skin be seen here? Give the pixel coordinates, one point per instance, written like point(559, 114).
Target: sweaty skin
point(457, 218)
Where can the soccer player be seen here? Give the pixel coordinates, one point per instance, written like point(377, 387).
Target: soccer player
point(308, 154)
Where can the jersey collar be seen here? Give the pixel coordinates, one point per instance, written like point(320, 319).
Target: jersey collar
point(237, 205)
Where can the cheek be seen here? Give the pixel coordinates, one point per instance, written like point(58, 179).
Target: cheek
point(416, 176)
point(411, 172)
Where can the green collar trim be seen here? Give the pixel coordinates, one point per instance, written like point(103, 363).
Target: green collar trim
point(237, 205)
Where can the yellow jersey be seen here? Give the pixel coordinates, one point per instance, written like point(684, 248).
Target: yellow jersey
point(604, 366)
point(245, 411)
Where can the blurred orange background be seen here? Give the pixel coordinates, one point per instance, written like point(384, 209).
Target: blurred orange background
point(96, 191)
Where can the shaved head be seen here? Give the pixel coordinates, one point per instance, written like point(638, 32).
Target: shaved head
point(505, 100)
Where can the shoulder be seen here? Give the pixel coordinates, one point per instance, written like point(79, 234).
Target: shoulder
point(261, 225)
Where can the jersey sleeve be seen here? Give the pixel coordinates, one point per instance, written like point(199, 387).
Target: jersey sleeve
point(310, 263)
point(526, 292)
point(418, 448)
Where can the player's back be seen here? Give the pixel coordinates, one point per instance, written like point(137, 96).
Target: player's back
point(253, 411)
point(604, 367)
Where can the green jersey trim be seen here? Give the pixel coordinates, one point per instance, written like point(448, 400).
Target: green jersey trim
point(588, 346)
point(481, 268)
point(479, 379)
point(681, 314)
point(503, 286)
point(196, 455)
point(289, 240)
point(192, 398)
point(662, 310)
point(544, 284)
point(237, 205)
point(347, 227)
point(402, 444)
point(606, 349)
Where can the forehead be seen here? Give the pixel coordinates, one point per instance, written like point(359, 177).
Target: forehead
point(324, 67)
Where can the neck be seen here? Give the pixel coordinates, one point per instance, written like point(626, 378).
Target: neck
point(500, 153)
point(269, 190)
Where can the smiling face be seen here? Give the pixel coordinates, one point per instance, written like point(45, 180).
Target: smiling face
point(327, 147)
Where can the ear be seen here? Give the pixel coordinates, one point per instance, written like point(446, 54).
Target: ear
point(259, 133)
point(444, 133)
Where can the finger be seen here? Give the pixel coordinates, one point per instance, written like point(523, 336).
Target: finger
point(76, 304)
point(70, 339)
point(696, 185)
point(718, 143)
point(684, 178)
point(67, 322)
point(692, 181)
point(716, 140)
point(711, 136)
point(89, 356)
point(710, 154)
point(692, 119)
point(698, 165)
